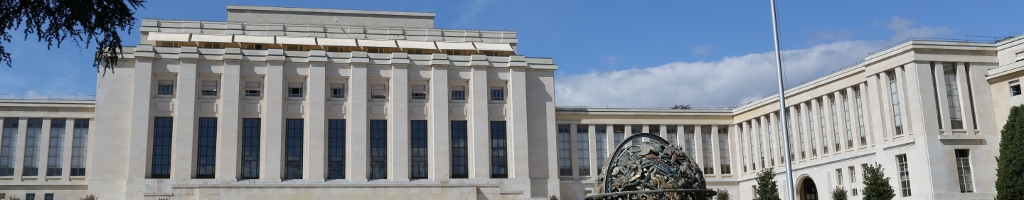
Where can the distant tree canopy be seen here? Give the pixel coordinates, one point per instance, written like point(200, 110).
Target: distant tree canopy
point(82, 22)
point(681, 106)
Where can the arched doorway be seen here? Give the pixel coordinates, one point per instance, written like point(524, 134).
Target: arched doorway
point(806, 189)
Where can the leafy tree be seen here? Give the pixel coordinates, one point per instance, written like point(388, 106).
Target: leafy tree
point(1010, 163)
point(83, 22)
point(767, 188)
point(839, 194)
point(876, 185)
point(681, 106)
point(723, 194)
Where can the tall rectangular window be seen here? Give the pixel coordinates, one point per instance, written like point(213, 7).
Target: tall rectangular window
point(894, 92)
point(707, 150)
point(48, 196)
point(564, 153)
point(847, 119)
point(80, 143)
point(30, 196)
point(821, 118)
point(499, 150)
point(497, 93)
point(688, 141)
point(742, 155)
point(760, 141)
point(378, 149)
point(336, 149)
point(55, 157)
point(1015, 88)
point(459, 93)
point(723, 149)
point(853, 175)
point(209, 88)
point(673, 134)
point(860, 118)
point(418, 149)
point(619, 134)
point(378, 91)
point(295, 89)
point(337, 90)
point(293, 141)
point(901, 162)
point(800, 132)
point(206, 157)
point(810, 129)
point(460, 155)
point(963, 170)
point(252, 88)
point(251, 148)
point(583, 149)
point(161, 159)
point(636, 129)
point(792, 143)
point(601, 141)
point(7, 148)
point(32, 140)
point(839, 176)
point(165, 87)
point(419, 92)
point(750, 141)
point(956, 119)
point(771, 151)
point(835, 124)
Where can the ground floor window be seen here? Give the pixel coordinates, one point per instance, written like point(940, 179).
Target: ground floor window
point(378, 149)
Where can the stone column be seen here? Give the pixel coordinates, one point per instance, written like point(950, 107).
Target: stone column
point(272, 140)
point(183, 141)
point(698, 145)
point(592, 142)
point(69, 135)
point(874, 104)
point(139, 138)
point(19, 146)
point(44, 150)
point(573, 156)
point(716, 160)
point(315, 155)
point(901, 85)
point(357, 147)
point(519, 160)
point(228, 138)
point(398, 134)
point(479, 133)
point(440, 129)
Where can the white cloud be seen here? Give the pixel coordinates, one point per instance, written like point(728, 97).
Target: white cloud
point(702, 49)
point(611, 60)
point(904, 30)
point(726, 82)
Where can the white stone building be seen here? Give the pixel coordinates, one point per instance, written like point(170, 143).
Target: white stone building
point(326, 104)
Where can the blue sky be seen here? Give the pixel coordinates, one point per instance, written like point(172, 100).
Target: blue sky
point(617, 53)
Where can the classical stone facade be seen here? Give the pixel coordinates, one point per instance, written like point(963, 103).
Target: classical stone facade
point(325, 104)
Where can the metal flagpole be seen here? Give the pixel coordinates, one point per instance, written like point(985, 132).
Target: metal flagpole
point(782, 106)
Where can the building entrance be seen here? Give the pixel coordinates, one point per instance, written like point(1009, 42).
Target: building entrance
point(807, 189)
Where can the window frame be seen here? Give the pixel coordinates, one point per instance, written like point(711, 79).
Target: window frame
point(499, 149)
point(458, 95)
point(165, 90)
point(206, 148)
point(336, 137)
point(418, 152)
point(378, 150)
point(459, 150)
point(296, 92)
point(294, 146)
point(337, 90)
point(162, 141)
point(55, 157)
point(250, 155)
point(965, 176)
point(496, 94)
